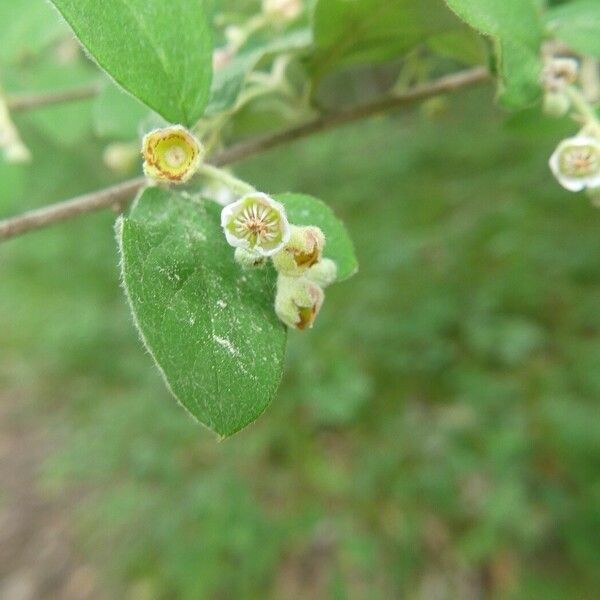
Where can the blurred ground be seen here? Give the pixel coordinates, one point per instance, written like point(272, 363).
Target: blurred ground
point(37, 558)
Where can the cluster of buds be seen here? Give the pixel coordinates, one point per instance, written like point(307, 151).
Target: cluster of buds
point(257, 226)
point(576, 161)
point(558, 74)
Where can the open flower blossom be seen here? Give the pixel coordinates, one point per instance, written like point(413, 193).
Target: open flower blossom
point(257, 223)
point(576, 163)
point(172, 154)
point(303, 250)
point(298, 301)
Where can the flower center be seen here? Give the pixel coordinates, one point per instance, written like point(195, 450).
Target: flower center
point(257, 224)
point(175, 156)
point(580, 162)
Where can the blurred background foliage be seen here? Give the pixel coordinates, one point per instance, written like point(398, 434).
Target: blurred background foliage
point(436, 434)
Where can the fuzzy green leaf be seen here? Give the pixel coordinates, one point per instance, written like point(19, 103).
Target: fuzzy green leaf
point(578, 25)
point(210, 327)
point(515, 27)
point(306, 210)
point(161, 52)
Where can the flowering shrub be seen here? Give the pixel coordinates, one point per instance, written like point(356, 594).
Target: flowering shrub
point(214, 318)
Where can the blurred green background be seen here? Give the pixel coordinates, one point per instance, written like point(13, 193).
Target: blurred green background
point(436, 435)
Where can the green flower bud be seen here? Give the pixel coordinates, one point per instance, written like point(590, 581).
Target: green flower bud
point(556, 104)
point(248, 259)
point(171, 154)
point(560, 72)
point(303, 250)
point(284, 10)
point(121, 157)
point(298, 301)
point(324, 273)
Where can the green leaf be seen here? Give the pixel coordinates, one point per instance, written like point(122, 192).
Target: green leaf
point(210, 327)
point(461, 44)
point(508, 19)
point(578, 25)
point(516, 29)
point(161, 52)
point(365, 31)
point(519, 70)
point(306, 210)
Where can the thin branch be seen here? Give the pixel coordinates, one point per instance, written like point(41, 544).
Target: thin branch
point(446, 84)
point(119, 195)
point(22, 102)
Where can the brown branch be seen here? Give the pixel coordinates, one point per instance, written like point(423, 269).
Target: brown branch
point(258, 145)
point(120, 194)
point(18, 103)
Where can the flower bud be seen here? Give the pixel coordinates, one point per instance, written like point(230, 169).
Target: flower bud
point(256, 223)
point(282, 10)
point(121, 157)
point(560, 72)
point(298, 301)
point(324, 273)
point(221, 58)
point(248, 259)
point(556, 104)
point(171, 154)
point(576, 163)
point(303, 250)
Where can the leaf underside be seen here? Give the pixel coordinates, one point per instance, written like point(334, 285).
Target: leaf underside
point(209, 326)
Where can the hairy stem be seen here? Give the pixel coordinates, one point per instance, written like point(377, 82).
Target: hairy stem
point(120, 194)
point(233, 183)
point(583, 107)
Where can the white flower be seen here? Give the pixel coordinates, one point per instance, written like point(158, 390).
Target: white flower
point(576, 163)
point(256, 222)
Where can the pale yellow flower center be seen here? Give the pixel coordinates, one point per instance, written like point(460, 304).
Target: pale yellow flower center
point(580, 161)
point(257, 224)
point(175, 156)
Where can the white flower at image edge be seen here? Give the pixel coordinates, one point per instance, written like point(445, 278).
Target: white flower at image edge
point(576, 163)
point(257, 223)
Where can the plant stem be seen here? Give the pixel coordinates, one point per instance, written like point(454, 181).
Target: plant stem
point(233, 183)
point(584, 108)
point(120, 194)
point(24, 102)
